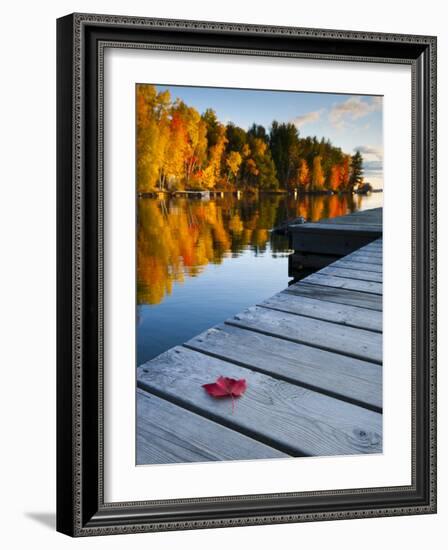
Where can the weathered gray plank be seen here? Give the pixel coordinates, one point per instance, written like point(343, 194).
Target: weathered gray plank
point(367, 253)
point(359, 266)
point(355, 342)
point(167, 433)
point(337, 295)
point(291, 418)
point(376, 249)
point(375, 245)
point(368, 261)
point(360, 256)
point(338, 271)
point(352, 379)
point(327, 311)
point(340, 282)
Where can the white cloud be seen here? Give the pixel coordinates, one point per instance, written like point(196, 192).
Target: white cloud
point(301, 120)
point(353, 108)
point(373, 153)
point(373, 158)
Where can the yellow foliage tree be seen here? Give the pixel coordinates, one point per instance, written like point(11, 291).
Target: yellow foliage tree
point(335, 177)
point(318, 178)
point(303, 175)
point(233, 163)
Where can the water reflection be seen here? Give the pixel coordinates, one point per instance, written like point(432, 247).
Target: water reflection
point(177, 238)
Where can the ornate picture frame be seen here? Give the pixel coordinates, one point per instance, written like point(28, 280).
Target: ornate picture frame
point(81, 506)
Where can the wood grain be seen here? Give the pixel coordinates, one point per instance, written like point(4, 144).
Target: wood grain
point(337, 271)
point(355, 342)
point(337, 295)
point(340, 282)
point(364, 257)
point(359, 266)
point(167, 433)
point(290, 418)
point(350, 379)
point(327, 311)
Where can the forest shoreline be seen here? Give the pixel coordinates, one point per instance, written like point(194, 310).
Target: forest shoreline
point(195, 193)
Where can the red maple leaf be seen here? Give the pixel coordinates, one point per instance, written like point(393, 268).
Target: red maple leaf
point(226, 387)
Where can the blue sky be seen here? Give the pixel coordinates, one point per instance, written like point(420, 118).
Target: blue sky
point(352, 122)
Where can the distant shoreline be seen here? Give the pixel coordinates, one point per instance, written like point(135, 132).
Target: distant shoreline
point(194, 193)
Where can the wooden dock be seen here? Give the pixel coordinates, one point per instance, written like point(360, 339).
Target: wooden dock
point(318, 244)
point(312, 359)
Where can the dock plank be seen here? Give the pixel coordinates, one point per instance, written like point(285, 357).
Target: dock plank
point(377, 249)
point(359, 266)
point(337, 295)
point(364, 257)
point(291, 418)
point(167, 433)
point(341, 376)
point(368, 261)
point(336, 270)
point(368, 253)
point(326, 311)
point(375, 246)
point(340, 282)
point(355, 342)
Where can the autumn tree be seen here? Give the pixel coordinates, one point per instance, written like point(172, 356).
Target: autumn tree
point(345, 173)
point(152, 135)
point(195, 141)
point(258, 131)
point(303, 176)
point(259, 168)
point(236, 138)
point(335, 177)
point(177, 147)
point(317, 178)
point(233, 162)
point(216, 143)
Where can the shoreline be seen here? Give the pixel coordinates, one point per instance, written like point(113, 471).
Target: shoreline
point(195, 193)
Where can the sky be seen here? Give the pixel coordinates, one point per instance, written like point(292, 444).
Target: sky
point(351, 122)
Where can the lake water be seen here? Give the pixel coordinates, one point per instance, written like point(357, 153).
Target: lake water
point(202, 261)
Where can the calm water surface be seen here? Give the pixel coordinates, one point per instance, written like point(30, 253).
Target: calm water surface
point(202, 261)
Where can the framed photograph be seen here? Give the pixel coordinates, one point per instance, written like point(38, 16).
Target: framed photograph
point(246, 274)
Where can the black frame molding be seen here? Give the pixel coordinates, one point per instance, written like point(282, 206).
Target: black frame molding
point(81, 39)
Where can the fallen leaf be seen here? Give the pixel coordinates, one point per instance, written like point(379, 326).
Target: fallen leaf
point(226, 387)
